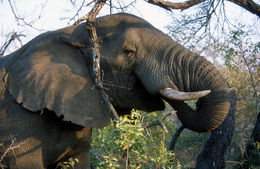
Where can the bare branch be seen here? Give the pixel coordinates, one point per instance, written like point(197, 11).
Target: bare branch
point(158, 122)
point(175, 137)
point(11, 147)
point(253, 83)
point(249, 5)
point(18, 18)
point(79, 9)
point(171, 5)
point(14, 36)
point(110, 7)
point(122, 6)
point(114, 114)
point(86, 17)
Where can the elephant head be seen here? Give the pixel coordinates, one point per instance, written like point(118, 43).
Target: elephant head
point(141, 67)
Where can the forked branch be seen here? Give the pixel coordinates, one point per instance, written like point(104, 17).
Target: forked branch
point(13, 37)
point(157, 122)
point(10, 148)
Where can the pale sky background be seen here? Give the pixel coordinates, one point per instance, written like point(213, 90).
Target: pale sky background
point(56, 9)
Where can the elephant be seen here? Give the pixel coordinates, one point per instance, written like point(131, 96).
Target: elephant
point(48, 99)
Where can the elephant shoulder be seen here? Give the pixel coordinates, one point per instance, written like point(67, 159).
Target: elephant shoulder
point(3, 61)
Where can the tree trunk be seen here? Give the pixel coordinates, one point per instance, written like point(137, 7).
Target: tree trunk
point(252, 147)
point(212, 155)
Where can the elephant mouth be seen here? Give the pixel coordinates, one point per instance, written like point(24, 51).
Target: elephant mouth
point(131, 94)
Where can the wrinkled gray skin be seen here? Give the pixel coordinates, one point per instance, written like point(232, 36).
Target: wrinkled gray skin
point(48, 104)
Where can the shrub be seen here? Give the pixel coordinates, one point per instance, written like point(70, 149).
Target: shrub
point(126, 145)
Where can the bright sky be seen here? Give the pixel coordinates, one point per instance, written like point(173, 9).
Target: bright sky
point(57, 9)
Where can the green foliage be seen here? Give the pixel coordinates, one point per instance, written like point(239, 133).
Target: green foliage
point(127, 146)
point(241, 58)
point(254, 157)
point(68, 164)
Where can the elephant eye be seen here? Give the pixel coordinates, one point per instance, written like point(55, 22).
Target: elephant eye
point(129, 53)
point(130, 56)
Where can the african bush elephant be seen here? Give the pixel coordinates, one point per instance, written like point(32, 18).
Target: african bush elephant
point(48, 102)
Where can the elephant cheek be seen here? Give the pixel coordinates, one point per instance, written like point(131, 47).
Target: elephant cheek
point(153, 78)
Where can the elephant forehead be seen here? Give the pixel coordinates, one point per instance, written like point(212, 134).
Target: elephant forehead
point(121, 21)
point(128, 33)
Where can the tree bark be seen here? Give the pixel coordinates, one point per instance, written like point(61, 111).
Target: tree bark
point(252, 145)
point(249, 5)
point(172, 5)
point(214, 150)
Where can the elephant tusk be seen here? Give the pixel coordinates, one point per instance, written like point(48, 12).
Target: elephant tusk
point(178, 95)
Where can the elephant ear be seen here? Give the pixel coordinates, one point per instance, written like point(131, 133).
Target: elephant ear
point(54, 75)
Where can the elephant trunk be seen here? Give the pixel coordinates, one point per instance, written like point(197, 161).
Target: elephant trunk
point(190, 72)
point(178, 68)
point(208, 116)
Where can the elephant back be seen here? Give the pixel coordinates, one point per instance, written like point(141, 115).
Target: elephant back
point(3, 60)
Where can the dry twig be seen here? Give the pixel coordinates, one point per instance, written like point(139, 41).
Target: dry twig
point(157, 122)
point(22, 19)
point(11, 147)
point(14, 36)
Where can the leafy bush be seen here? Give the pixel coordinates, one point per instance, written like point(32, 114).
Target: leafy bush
point(68, 164)
point(254, 157)
point(126, 145)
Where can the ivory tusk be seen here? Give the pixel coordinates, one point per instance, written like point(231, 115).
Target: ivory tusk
point(178, 95)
